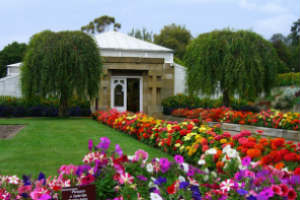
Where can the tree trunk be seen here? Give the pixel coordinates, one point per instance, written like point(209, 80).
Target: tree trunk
point(226, 98)
point(63, 107)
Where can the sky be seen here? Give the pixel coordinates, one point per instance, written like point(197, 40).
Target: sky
point(20, 19)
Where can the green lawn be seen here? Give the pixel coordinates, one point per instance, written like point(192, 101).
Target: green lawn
point(47, 143)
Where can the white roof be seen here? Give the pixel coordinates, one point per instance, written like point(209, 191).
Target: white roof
point(15, 65)
point(119, 41)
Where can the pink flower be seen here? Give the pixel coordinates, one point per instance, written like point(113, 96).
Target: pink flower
point(85, 180)
point(40, 194)
point(125, 178)
point(140, 154)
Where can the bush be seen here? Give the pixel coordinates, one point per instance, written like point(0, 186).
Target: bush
point(19, 107)
point(288, 79)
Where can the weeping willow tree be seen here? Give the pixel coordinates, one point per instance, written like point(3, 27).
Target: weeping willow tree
point(62, 65)
point(233, 62)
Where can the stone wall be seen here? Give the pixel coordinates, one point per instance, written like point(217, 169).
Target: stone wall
point(158, 80)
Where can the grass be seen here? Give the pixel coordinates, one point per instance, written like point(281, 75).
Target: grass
point(47, 143)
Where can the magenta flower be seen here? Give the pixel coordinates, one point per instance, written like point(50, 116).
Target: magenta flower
point(104, 143)
point(178, 159)
point(164, 164)
point(118, 150)
point(246, 161)
point(90, 145)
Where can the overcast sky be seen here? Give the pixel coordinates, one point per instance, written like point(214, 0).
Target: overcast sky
point(20, 19)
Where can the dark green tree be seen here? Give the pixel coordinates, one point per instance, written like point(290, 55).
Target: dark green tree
point(295, 33)
point(175, 37)
point(283, 51)
point(142, 34)
point(240, 62)
point(100, 24)
point(12, 53)
point(62, 65)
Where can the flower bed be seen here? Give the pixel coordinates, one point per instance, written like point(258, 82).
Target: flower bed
point(269, 118)
point(118, 177)
point(191, 141)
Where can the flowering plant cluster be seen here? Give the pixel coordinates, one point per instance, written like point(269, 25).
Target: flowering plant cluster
point(118, 177)
point(266, 118)
point(191, 141)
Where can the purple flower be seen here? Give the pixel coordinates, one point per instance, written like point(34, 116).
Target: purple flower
point(118, 150)
point(160, 180)
point(104, 143)
point(265, 194)
point(191, 171)
point(90, 145)
point(42, 178)
point(196, 192)
point(295, 180)
point(242, 192)
point(183, 185)
point(142, 178)
point(178, 159)
point(246, 161)
point(164, 164)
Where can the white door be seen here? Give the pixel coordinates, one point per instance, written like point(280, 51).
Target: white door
point(119, 93)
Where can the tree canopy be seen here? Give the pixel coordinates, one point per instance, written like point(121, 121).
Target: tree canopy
point(62, 65)
point(100, 24)
point(234, 62)
point(175, 37)
point(12, 53)
point(142, 34)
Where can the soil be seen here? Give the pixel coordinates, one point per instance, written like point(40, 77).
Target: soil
point(9, 131)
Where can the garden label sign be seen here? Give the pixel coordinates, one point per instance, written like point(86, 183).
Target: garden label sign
point(87, 192)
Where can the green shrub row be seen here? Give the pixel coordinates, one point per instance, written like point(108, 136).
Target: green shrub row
point(288, 79)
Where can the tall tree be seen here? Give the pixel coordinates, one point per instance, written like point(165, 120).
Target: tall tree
point(295, 33)
point(62, 65)
point(100, 24)
point(142, 34)
point(283, 51)
point(12, 53)
point(239, 62)
point(175, 37)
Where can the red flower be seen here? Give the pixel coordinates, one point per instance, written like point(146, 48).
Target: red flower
point(291, 194)
point(297, 171)
point(284, 189)
point(171, 189)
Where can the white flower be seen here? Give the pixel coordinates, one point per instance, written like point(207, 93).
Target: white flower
point(205, 178)
point(13, 180)
point(211, 151)
point(155, 196)
point(214, 174)
point(131, 158)
point(226, 185)
point(226, 148)
point(185, 167)
point(232, 153)
point(206, 170)
point(181, 179)
point(201, 162)
point(149, 168)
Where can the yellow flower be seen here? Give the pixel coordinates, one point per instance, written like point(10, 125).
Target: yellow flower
point(177, 145)
point(223, 141)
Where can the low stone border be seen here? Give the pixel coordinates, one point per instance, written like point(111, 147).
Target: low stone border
point(271, 132)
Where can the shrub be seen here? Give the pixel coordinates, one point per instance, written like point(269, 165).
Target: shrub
point(19, 107)
point(288, 79)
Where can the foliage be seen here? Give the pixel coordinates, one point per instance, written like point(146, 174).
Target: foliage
point(239, 62)
point(175, 37)
point(141, 34)
point(288, 79)
point(295, 33)
point(283, 52)
point(10, 54)
point(63, 65)
point(20, 107)
point(285, 99)
point(100, 24)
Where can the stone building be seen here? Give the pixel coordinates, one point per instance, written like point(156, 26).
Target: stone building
point(136, 75)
